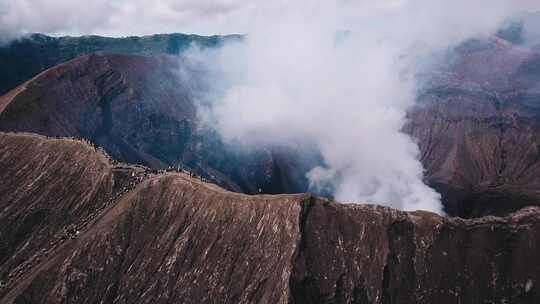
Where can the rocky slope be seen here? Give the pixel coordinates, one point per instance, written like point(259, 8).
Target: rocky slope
point(141, 110)
point(478, 126)
point(68, 181)
point(103, 97)
point(170, 238)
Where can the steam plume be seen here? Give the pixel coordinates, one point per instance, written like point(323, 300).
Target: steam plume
point(340, 77)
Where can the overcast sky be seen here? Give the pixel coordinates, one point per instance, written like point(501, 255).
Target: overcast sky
point(124, 17)
point(141, 17)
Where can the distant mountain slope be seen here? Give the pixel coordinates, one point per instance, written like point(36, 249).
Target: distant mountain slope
point(101, 97)
point(174, 239)
point(24, 58)
point(141, 111)
point(478, 127)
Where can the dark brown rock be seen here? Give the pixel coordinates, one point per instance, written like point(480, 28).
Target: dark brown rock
point(46, 185)
point(368, 254)
point(478, 130)
point(102, 98)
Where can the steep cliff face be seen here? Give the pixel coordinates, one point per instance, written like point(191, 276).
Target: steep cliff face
point(369, 254)
point(171, 238)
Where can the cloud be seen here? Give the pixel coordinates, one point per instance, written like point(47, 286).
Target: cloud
point(25, 16)
point(139, 17)
point(531, 28)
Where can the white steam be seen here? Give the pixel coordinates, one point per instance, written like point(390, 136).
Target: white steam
point(340, 77)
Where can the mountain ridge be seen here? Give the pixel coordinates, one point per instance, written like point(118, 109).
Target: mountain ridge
point(172, 238)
